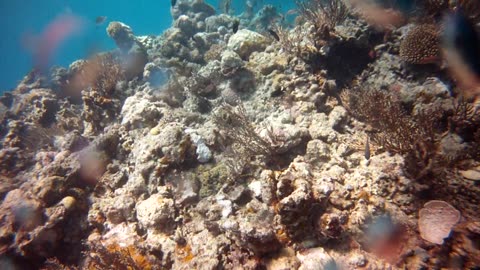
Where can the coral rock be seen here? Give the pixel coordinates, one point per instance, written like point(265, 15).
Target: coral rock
point(315, 258)
point(140, 111)
point(156, 213)
point(245, 42)
point(436, 220)
point(122, 34)
point(231, 61)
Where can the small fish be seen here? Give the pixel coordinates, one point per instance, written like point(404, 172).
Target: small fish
point(235, 26)
point(100, 20)
point(173, 2)
point(461, 42)
point(367, 149)
point(291, 12)
point(274, 34)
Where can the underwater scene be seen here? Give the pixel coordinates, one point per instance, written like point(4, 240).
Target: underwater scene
point(240, 134)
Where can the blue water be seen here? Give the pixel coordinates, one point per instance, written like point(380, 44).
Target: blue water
point(24, 18)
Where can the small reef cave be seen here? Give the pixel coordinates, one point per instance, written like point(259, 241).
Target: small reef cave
point(283, 160)
point(347, 60)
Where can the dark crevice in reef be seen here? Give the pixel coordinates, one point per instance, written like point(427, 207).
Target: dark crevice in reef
point(282, 161)
point(346, 60)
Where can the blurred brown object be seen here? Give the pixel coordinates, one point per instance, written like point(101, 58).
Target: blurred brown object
point(467, 80)
point(379, 17)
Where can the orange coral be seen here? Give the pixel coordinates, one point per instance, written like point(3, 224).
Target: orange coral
point(184, 253)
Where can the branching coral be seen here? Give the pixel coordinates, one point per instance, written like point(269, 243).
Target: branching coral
point(465, 118)
point(306, 39)
point(300, 43)
point(238, 129)
point(108, 72)
point(421, 45)
point(95, 80)
point(394, 129)
point(323, 15)
point(101, 73)
point(314, 36)
point(240, 139)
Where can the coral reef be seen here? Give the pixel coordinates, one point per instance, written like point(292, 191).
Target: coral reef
point(133, 52)
point(421, 45)
point(240, 142)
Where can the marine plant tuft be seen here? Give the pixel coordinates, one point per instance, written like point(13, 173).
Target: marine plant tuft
point(394, 129)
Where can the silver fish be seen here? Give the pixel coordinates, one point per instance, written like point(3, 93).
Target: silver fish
point(367, 149)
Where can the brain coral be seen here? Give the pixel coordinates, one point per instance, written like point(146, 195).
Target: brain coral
point(421, 45)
